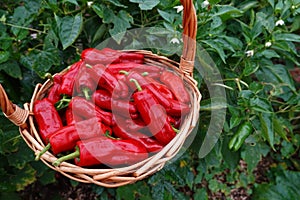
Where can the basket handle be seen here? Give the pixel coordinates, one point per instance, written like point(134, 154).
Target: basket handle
point(189, 23)
point(14, 113)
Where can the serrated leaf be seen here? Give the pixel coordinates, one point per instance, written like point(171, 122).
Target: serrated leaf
point(267, 127)
point(146, 4)
point(69, 28)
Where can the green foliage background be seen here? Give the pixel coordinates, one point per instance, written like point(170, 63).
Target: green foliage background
point(253, 51)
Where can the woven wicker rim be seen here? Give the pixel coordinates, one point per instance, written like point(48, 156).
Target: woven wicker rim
point(116, 177)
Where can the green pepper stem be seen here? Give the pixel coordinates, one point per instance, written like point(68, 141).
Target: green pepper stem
point(70, 156)
point(86, 92)
point(124, 72)
point(138, 86)
point(60, 104)
point(109, 136)
point(46, 148)
point(175, 129)
point(145, 73)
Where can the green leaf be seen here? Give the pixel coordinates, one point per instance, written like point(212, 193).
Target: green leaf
point(99, 10)
point(146, 4)
point(250, 67)
point(69, 28)
point(12, 68)
point(296, 24)
point(279, 128)
point(271, 2)
point(261, 105)
point(217, 48)
point(117, 3)
point(166, 16)
point(285, 187)
point(4, 56)
point(287, 37)
point(251, 155)
point(23, 177)
point(71, 1)
point(267, 127)
point(227, 12)
point(268, 53)
point(200, 194)
point(41, 61)
point(21, 157)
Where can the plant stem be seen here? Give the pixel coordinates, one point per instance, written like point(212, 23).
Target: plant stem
point(70, 156)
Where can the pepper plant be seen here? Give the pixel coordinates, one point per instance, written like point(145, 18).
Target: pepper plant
point(255, 47)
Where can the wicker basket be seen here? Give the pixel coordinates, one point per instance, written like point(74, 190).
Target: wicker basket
point(24, 119)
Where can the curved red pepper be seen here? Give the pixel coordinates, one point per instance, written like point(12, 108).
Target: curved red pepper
point(115, 68)
point(110, 152)
point(65, 139)
point(68, 79)
point(47, 118)
point(107, 81)
point(54, 94)
point(150, 144)
point(86, 109)
point(84, 82)
point(154, 115)
point(106, 56)
point(176, 85)
point(129, 124)
point(104, 100)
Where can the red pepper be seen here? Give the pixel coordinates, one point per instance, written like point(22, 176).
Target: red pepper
point(107, 56)
point(107, 151)
point(47, 118)
point(65, 139)
point(54, 94)
point(150, 144)
point(129, 124)
point(71, 118)
point(107, 81)
point(153, 114)
point(104, 100)
point(86, 109)
point(127, 57)
point(130, 66)
point(84, 82)
point(163, 89)
point(176, 85)
point(68, 79)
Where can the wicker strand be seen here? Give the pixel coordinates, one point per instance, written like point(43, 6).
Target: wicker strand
point(13, 112)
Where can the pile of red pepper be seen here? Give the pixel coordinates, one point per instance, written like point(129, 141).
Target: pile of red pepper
point(111, 108)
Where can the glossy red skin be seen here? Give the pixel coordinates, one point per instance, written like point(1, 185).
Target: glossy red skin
point(117, 67)
point(65, 139)
point(68, 79)
point(54, 94)
point(176, 85)
point(86, 109)
point(150, 144)
point(47, 118)
point(129, 124)
point(84, 80)
point(110, 152)
point(104, 100)
point(154, 115)
point(107, 81)
point(107, 56)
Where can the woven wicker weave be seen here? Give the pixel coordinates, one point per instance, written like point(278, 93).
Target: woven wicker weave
point(24, 119)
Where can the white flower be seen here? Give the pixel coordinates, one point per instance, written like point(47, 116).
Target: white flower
point(205, 4)
point(179, 8)
point(268, 44)
point(33, 35)
point(89, 3)
point(279, 23)
point(250, 53)
point(175, 41)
